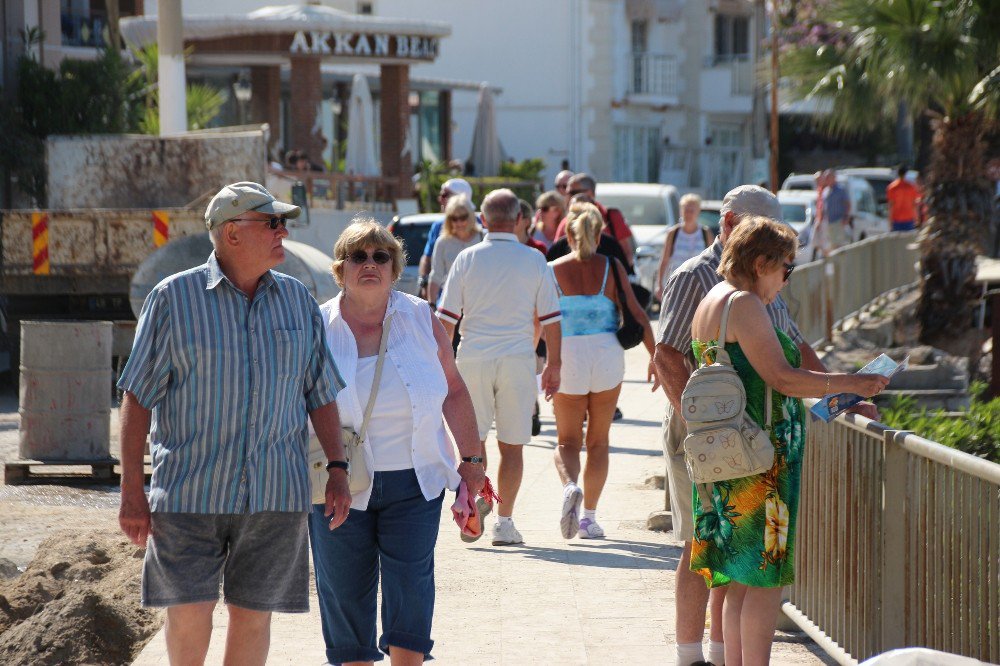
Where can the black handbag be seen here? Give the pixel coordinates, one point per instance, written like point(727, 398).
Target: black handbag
point(631, 332)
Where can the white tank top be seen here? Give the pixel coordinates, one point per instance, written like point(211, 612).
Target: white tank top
point(390, 430)
point(686, 246)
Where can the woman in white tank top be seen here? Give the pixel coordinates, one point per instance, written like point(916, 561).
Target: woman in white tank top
point(683, 241)
point(392, 528)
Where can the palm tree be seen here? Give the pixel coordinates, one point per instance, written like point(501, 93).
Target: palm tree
point(203, 102)
point(940, 57)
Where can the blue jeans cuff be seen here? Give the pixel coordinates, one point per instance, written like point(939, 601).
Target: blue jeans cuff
point(342, 655)
point(406, 641)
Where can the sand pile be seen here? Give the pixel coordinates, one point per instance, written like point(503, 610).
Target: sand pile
point(77, 602)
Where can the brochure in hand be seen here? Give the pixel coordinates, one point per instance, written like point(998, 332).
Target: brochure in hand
point(836, 403)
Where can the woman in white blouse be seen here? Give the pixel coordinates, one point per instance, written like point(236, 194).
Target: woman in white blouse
point(460, 230)
point(392, 527)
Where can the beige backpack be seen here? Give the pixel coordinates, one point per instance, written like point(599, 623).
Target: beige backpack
point(723, 442)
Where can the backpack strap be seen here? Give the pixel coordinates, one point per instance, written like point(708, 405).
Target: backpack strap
point(721, 355)
point(705, 234)
point(671, 240)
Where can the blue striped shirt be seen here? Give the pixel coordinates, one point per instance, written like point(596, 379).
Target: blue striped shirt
point(229, 382)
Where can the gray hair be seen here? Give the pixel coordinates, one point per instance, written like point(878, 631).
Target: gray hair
point(583, 180)
point(215, 235)
point(500, 207)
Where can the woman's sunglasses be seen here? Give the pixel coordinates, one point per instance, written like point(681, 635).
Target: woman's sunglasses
point(788, 270)
point(360, 257)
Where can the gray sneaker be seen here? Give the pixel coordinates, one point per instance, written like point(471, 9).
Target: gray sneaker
point(569, 523)
point(505, 534)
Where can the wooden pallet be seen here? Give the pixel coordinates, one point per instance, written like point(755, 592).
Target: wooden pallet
point(101, 472)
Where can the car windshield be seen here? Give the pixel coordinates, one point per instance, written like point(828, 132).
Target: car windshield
point(879, 185)
point(710, 219)
point(793, 212)
point(638, 209)
point(414, 237)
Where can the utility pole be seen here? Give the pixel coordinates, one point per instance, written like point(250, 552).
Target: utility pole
point(774, 96)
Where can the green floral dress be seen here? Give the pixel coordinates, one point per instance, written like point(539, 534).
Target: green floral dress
point(748, 535)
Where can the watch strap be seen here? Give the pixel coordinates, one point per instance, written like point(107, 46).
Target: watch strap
point(338, 464)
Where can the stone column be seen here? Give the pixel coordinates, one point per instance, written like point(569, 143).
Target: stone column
point(265, 104)
point(306, 97)
point(395, 122)
point(444, 123)
point(172, 82)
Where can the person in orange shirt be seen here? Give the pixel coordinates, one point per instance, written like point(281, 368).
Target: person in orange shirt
point(902, 196)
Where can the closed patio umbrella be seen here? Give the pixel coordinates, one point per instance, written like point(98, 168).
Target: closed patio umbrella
point(360, 158)
point(487, 153)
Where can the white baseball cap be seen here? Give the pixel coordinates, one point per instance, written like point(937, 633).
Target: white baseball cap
point(458, 186)
point(751, 200)
point(238, 198)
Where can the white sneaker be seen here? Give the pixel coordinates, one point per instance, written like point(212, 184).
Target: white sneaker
point(569, 523)
point(505, 534)
point(589, 529)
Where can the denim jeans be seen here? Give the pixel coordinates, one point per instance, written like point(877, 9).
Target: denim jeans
point(395, 537)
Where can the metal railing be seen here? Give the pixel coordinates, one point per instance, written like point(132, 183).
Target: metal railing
point(824, 292)
point(341, 190)
point(653, 74)
point(898, 544)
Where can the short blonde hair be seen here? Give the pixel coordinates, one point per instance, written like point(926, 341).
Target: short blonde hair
point(364, 233)
point(690, 197)
point(583, 224)
point(753, 238)
point(458, 206)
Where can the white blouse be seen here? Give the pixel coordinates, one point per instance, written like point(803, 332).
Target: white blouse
point(412, 352)
point(391, 423)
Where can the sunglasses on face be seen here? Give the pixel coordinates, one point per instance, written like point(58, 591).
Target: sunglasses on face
point(464, 218)
point(360, 257)
point(788, 270)
point(573, 193)
point(271, 222)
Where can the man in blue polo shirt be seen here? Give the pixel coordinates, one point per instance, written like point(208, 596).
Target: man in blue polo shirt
point(228, 359)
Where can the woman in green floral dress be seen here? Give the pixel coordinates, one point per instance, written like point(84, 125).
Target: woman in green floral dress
point(746, 539)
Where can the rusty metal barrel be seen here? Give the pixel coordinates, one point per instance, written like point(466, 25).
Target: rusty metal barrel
point(65, 391)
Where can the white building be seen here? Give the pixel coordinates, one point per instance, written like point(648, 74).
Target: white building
point(628, 90)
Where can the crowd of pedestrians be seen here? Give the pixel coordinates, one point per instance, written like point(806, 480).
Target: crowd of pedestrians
point(232, 358)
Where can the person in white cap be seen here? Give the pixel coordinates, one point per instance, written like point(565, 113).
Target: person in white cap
point(674, 361)
point(228, 359)
point(449, 188)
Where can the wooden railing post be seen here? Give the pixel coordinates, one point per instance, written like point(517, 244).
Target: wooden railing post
point(892, 609)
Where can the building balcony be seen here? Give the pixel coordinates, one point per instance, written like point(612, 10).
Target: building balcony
point(727, 84)
point(652, 78)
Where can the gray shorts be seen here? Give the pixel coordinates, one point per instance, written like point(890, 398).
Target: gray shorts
point(261, 558)
point(678, 482)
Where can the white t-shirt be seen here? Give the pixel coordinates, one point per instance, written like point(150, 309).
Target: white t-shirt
point(498, 285)
point(390, 429)
point(686, 246)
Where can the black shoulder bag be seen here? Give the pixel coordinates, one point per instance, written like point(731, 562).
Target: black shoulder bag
point(631, 332)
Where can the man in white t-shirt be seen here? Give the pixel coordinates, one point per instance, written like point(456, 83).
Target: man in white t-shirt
point(497, 287)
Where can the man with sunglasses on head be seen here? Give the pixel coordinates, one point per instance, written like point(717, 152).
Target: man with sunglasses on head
point(674, 361)
point(229, 358)
point(451, 187)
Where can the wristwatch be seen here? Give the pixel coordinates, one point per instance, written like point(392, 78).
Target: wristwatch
point(338, 464)
point(475, 460)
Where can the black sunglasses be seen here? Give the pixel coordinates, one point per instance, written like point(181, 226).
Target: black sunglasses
point(788, 270)
point(271, 222)
point(573, 193)
point(360, 257)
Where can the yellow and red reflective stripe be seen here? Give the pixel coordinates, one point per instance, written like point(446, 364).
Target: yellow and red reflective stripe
point(161, 227)
point(40, 243)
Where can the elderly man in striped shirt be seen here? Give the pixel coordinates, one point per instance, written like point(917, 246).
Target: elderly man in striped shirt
point(229, 357)
point(674, 360)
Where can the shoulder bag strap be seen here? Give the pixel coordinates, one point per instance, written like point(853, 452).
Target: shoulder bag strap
point(622, 303)
point(671, 241)
point(722, 355)
point(378, 376)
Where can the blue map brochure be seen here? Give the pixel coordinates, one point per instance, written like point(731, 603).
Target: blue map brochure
point(828, 407)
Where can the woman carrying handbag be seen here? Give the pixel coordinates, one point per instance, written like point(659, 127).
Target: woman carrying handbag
point(402, 386)
point(592, 302)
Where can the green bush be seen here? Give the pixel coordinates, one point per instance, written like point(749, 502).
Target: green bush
point(524, 178)
point(976, 431)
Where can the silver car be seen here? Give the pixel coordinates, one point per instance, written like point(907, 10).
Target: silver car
point(412, 230)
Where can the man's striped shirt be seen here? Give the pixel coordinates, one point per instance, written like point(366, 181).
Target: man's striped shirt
point(685, 289)
point(230, 382)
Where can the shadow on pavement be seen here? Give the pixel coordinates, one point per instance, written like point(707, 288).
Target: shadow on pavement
point(605, 553)
point(653, 453)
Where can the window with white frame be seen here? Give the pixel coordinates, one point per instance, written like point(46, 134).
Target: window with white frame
point(636, 154)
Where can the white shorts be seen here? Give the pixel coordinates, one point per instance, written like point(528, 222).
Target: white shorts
point(504, 388)
point(591, 364)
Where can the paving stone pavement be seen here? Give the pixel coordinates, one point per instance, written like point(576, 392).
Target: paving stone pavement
point(550, 601)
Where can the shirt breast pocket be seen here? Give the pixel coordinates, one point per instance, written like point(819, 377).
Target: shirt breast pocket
point(290, 354)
